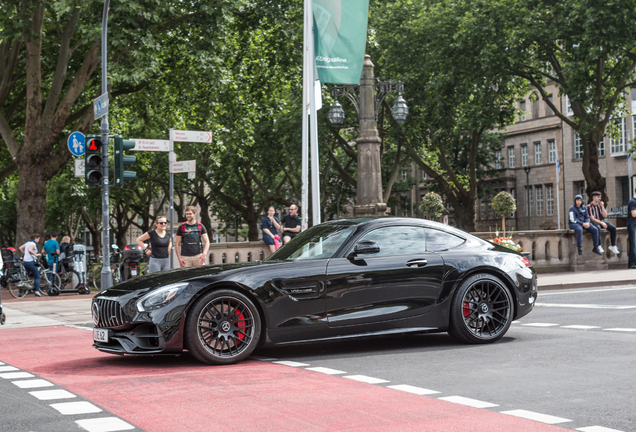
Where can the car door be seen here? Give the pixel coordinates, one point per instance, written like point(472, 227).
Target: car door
point(401, 281)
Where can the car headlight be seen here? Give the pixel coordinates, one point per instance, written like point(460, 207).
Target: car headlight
point(160, 298)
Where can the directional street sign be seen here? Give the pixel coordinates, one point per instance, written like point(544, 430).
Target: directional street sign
point(77, 143)
point(192, 136)
point(183, 166)
point(79, 167)
point(151, 145)
point(100, 106)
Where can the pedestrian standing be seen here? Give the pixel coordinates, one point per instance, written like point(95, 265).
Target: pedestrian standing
point(291, 224)
point(631, 231)
point(187, 243)
point(30, 251)
point(160, 245)
point(269, 225)
point(597, 212)
point(51, 246)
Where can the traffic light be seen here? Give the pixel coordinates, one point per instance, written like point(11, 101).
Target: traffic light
point(121, 161)
point(93, 161)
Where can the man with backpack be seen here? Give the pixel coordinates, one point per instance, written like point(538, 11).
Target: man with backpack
point(188, 240)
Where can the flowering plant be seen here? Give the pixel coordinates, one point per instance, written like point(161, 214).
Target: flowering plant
point(507, 242)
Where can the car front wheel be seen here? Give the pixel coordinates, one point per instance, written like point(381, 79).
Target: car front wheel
point(482, 310)
point(223, 327)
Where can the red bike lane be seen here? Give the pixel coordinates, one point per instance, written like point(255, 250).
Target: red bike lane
point(179, 394)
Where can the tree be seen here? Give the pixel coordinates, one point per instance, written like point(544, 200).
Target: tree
point(586, 49)
point(504, 204)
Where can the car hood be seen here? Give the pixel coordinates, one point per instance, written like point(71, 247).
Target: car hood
point(164, 278)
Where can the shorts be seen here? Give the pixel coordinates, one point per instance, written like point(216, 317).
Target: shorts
point(192, 261)
point(268, 240)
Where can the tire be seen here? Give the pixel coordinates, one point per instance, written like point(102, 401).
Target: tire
point(96, 277)
point(18, 292)
point(222, 328)
point(71, 280)
point(482, 310)
point(50, 287)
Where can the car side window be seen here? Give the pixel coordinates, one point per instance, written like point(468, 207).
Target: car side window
point(437, 240)
point(395, 240)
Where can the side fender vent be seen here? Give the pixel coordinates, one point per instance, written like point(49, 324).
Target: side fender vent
point(302, 290)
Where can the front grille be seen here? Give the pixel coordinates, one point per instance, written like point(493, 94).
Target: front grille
point(111, 313)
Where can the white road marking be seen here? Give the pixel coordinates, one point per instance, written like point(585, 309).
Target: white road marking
point(13, 375)
point(543, 418)
point(366, 379)
point(105, 424)
point(583, 306)
point(52, 394)
point(467, 401)
point(78, 327)
point(412, 389)
point(72, 408)
point(621, 329)
point(580, 327)
point(290, 363)
point(624, 288)
point(597, 429)
point(539, 325)
point(8, 368)
point(34, 383)
point(326, 370)
point(1, 364)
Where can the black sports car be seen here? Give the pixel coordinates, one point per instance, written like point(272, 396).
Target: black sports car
point(340, 279)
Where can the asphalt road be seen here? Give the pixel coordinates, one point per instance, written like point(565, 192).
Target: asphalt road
point(568, 363)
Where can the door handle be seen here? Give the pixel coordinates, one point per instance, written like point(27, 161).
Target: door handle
point(417, 262)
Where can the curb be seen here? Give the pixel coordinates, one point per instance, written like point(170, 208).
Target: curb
point(588, 284)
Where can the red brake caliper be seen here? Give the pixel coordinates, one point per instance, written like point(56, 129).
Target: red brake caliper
point(240, 324)
point(466, 309)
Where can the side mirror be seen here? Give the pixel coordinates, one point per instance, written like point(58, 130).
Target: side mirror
point(364, 247)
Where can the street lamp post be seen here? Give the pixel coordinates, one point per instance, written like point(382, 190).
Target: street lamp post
point(367, 98)
point(527, 170)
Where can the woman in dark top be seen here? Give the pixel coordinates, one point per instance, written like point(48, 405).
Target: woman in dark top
point(160, 245)
point(269, 225)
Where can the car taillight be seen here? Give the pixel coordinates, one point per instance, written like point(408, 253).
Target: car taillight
point(526, 262)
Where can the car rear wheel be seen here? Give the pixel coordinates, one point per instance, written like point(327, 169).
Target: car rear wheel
point(482, 310)
point(223, 327)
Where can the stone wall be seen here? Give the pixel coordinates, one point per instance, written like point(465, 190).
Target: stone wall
point(234, 252)
point(553, 251)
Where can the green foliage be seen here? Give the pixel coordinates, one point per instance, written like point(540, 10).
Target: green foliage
point(504, 204)
point(432, 205)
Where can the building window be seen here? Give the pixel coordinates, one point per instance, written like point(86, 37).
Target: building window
point(548, 110)
point(549, 197)
point(617, 146)
point(568, 107)
point(482, 208)
point(539, 195)
point(498, 159)
point(512, 192)
point(579, 189)
point(578, 147)
point(552, 151)
point(511, 157)
point(423, 175)
point(601, 146)
point(524, 154)
point(537, 153)
point(404, 174)
point(522, 107)
point(529, 198)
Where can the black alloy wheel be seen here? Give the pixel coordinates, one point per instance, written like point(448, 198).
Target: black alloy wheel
point(223, 327)
point(482, 310)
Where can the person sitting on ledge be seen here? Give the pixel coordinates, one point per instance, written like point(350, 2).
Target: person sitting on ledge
point(597, 213)
point(580, 220)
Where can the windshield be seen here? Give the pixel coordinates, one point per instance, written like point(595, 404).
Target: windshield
point(317, 242)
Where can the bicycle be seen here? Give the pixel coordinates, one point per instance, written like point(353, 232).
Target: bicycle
point(94, 270)
point(21, 284)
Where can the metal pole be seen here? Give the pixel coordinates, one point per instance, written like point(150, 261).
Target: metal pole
point(171, 158)
point(106, 275)
point(527, 170)
point(304, 211)
point(313, 126)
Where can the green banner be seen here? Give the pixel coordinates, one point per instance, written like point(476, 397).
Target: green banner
point(340, 37)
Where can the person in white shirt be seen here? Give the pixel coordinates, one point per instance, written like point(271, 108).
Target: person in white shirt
point(30, 251)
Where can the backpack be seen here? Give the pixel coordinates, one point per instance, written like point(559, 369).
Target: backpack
point(199, 228)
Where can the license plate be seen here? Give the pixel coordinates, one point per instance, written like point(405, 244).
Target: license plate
point(133, 272)
point(100, 335)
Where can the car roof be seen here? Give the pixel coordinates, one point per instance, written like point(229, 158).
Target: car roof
point(389, 220)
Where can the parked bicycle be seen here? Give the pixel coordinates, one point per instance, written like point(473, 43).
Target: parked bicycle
point(21, 283)
point(94, 268)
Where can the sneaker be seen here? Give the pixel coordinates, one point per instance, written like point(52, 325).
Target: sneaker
point(580, 251)
point(37, 294)
point(597, 251)
point(600, 248)
point(614, 249)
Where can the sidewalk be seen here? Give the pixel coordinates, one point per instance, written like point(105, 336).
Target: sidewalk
point(601, 278)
